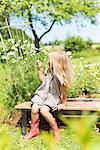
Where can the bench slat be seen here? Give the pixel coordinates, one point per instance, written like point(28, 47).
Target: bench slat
point(25, 105)
point(71, 105)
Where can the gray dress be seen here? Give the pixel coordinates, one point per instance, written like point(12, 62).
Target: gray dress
point(48, 93)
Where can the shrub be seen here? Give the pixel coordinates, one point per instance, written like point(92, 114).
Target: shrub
point(76, 44)
point(86, 79)
point(22, 80)
point(89, 43)
point(83, 129)
point(15, 48)
point(98, 48)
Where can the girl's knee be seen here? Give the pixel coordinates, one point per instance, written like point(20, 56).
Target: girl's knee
point(35, 109)
point(44, 110)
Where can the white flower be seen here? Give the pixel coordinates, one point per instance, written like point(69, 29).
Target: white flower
point(15, 49)
point(25, 52)
point(29, 94)
point(12, 41)
point(43, 50)
point(28, 45)
point(22, 46)
point(31, 51)
point(81, 58)
point(5, 49)
point(4, 57)
point(17, 44)
point(20, 58)
point(19, 41)
point(86, 65)
point(71, 56)
point(69, 53)
point(9, 40)
point(32, 45)
point(74, 66)
point(14, 61)
point(34, 52)
point(81, 68)
point(10, 53)
point(25, 41)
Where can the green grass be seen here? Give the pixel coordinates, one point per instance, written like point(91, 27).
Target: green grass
point(4, 73)
point(11, 139)
point(90, 53)
point(95, 59)
point(45, 141)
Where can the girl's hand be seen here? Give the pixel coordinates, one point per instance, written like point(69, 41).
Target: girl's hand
point(61, 106)
point(39, 64)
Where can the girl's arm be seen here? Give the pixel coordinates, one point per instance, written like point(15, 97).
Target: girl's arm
point(40, 72)
point(63, 97)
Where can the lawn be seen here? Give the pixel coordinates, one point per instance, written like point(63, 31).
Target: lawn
point(74, 137)
point(95, 59)
point(44, 141)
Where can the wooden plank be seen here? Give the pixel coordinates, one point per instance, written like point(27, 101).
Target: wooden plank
point(25, 105)
point(82, 105)
point(83, 99)
point(71, 105)
point(79, 116)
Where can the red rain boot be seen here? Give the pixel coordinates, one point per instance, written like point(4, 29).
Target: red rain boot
point(34, 130)
point(56, 131)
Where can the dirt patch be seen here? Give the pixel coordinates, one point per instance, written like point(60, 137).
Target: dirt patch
point(14, 119)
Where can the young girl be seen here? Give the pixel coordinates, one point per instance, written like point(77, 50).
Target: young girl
point(51, 94)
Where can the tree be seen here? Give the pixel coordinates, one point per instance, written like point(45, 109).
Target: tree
point(49, 12)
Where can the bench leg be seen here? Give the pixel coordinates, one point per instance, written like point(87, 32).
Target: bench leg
point(24, 121)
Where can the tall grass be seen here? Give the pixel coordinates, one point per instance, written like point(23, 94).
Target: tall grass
point(89, 53)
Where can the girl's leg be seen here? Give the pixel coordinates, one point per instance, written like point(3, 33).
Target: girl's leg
point(34, 112)
point(34, 122)
point(45, 112)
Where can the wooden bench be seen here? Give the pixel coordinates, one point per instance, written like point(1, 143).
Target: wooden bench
point(73, 104)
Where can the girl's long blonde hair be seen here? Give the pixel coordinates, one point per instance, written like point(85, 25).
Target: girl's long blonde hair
point(59, 65)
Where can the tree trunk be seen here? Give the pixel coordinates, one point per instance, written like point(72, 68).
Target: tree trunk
point(37, 44)
point(36, 38)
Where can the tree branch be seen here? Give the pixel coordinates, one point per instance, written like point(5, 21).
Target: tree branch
point(31, 25)
point(32, 28)
point(36, 39)
point(47, 30)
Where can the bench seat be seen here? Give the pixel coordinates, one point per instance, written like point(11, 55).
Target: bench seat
point(73, 104)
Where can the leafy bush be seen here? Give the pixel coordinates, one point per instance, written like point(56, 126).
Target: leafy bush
point(86, 79)
point(84, 131)
point(76, 44)
point(89, 43)
point(22, 80)
point(15, 48)
point(98, 48)
point(56, 42)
